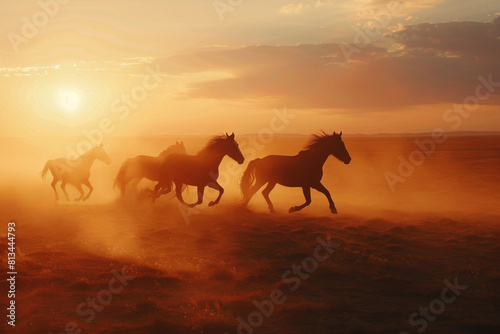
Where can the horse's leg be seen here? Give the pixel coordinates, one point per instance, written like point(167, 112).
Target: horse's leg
point(201, 190)
point(80, 189)
point(155, 194)
point(161, 189)
point(270, 186)
point(166, 190)
point(321, 188)
point(53, 184)
point(252, 191)
point(216, 186)
point(91, 189)
point(307, 195)
point(178, 192)
point(63, 187)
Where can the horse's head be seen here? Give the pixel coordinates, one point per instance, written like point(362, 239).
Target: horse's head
point(179, 148)
point(231, 148)
point(100, 154)
point(338, 149)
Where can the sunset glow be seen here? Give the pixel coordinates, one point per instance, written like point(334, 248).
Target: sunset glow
point(328, 61)
point(69, 101)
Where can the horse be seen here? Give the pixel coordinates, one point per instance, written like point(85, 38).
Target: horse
point(75, 172)
point(200, 170)
point(143, 166)
point(303, 170)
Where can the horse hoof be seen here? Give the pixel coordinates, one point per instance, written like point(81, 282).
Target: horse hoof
point(85, 198)
point(334, 210)
point(292, 209)
point(272, 211)
point(211, 203)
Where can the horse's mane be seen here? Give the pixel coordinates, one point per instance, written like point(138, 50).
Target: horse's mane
point(214, 141)
point(167, 151)
point(319, 138)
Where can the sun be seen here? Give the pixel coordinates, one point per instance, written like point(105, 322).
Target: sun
point(69, 100)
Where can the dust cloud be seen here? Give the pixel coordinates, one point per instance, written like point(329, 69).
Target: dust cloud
point(200, 270)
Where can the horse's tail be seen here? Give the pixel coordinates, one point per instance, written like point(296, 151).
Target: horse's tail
point(43, 173)
point(248, 179)
point(120, 177)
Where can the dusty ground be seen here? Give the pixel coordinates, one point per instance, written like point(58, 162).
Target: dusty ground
point(202, 274)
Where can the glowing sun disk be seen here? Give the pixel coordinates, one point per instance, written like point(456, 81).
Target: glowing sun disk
point(69, 100)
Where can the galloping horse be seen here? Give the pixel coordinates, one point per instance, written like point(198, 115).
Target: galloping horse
point(144, 166)
point(303, 170)
point(75, 172)
point(199, 170)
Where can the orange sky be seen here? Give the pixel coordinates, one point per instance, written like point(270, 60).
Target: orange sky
point(206, 67)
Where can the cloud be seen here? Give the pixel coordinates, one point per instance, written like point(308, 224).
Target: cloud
point(123, 66)
point(367, 9)
point(410, 4)
point(293, 8)
point(426, 64)
point(468, 39)
point(419, 64)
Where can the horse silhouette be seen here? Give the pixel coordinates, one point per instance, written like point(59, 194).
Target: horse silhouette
point(75, 172)
point(143, 166)
point(200, 170)
point(303, 170)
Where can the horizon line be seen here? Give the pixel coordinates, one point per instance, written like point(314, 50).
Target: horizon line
point(379, 134)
